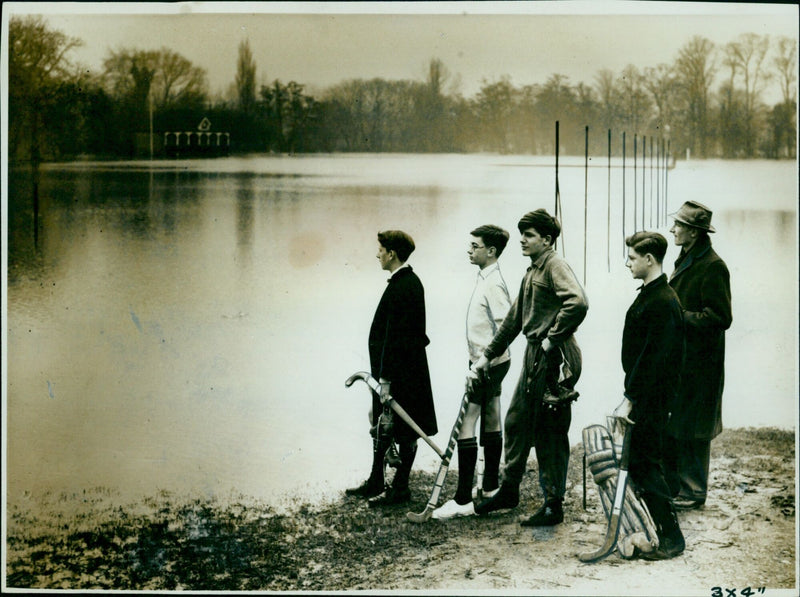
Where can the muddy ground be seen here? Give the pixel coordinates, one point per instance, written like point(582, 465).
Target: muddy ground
point(743, 540)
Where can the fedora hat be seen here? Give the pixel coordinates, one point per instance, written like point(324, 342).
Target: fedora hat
point(695, 215)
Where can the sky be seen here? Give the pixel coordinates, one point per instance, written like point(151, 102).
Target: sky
point(321, 44)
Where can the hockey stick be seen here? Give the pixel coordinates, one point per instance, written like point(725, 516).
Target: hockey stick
point(615, 519)
point(392, 403)
point(443, 467)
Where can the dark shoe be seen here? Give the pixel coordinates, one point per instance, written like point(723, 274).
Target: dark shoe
point(551, 513)
point(682, 503)
point(506, 498)
point(392, 497)
point(368, 489)
point(668, 548)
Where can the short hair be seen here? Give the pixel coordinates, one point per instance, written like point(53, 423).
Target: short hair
point(398, 241)
point(648, 242)
point(493, 236)
point(542, 222)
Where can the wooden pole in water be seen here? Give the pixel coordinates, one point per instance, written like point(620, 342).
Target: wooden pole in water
point(658, 175)
point(635, 186)
point(644, 171)
point(658, 217)
point(558, 200)
point(623, 194)
point(555, 209)
point(585, 196)
point(608, 218)
point(666, 172)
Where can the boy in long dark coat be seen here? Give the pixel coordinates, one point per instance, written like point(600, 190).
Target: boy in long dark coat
point(702, 282)
point(652, 356)
point(397, 342)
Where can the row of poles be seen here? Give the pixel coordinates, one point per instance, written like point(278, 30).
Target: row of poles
point(659, 169)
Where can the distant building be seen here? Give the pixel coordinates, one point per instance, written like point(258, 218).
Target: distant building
point(201, 142)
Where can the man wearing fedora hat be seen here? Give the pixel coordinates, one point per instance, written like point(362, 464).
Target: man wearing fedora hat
point(702, 282)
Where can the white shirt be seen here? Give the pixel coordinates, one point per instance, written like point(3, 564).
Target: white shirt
point(488, 307)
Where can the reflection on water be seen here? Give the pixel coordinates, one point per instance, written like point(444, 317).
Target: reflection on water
point(190, 326)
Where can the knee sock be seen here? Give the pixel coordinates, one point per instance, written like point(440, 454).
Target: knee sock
point(492, 451)
point(467, 457)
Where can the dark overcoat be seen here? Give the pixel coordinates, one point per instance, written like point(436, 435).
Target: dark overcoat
point(653, 352)
point(702, 282)
point(397, 342)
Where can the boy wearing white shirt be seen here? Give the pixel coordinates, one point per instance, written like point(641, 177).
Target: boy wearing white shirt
point(488, 306)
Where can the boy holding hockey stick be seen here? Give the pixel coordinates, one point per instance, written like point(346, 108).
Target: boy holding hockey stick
point(550, 306)
point(487, 308)
point(652, 358)
point(398, 359)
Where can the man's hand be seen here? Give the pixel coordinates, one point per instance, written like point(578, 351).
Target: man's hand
point(624, 410)
point(547, 346)
point(478, 371)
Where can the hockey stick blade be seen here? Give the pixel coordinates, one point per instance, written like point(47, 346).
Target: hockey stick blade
point(423, 516)
point(612, 532)
point(613, 524)
point(443, 467)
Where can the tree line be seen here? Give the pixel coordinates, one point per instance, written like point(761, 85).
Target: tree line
point(707, 101)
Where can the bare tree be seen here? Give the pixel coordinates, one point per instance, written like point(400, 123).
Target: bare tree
point(632, 99)
point(246, 78)
point(37, 66)
point(785, 63)
point(695, 68)
point(660, 82)
point(604, 85)
point(746, 58)
point(177, 82)
point(172, 79)
point(783, 119)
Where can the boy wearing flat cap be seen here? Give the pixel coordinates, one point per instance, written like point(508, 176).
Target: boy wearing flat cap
point(702, 282)
point(550, 306)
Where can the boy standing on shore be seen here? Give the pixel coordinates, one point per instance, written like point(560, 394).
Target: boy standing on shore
point(487, 308)
point(652, 358)
point(550, 306)
point(398, 359)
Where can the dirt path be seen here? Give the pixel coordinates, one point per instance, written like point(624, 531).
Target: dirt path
point(744, 537)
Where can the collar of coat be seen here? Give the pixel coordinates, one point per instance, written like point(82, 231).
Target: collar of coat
point(399, 272)
point(686, 258)
point(660, 281)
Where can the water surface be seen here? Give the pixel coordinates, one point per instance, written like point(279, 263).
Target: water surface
point(189, 325)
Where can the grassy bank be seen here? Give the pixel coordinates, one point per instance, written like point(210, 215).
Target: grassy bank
point(171, 542)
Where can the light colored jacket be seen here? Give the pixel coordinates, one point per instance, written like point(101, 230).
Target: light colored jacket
point(488, 307)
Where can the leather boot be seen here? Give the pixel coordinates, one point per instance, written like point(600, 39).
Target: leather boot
point(551, 513)
point(399, 493)
point(374, 485)
point(506, 498)
point(670, 538)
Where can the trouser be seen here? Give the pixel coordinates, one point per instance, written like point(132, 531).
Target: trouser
point(530, 423)
point(646, 470)
point(407, 452)
point(686, 465)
